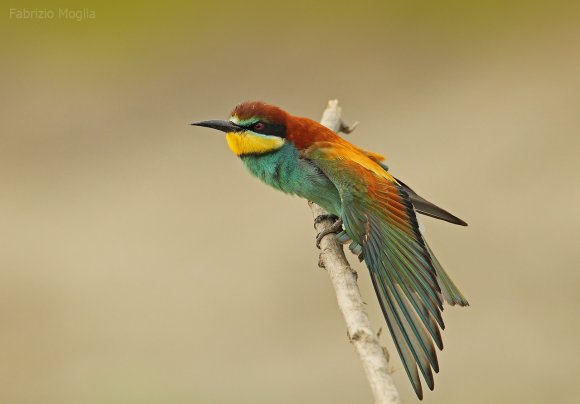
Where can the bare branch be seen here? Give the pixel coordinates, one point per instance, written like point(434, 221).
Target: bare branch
point(350, 302)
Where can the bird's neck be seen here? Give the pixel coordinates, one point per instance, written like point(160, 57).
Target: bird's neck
point(303, 132)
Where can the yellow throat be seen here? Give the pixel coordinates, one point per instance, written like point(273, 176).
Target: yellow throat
point(249, 143)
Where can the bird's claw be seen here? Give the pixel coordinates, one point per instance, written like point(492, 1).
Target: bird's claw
point(335, 228)
point(323, 217)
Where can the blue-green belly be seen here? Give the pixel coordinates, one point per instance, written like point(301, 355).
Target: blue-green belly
point(283, 169)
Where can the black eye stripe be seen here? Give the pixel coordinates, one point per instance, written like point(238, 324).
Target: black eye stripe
point(270, 129)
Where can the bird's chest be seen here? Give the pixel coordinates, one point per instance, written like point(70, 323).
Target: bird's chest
point(278, 169)
point(286, 171)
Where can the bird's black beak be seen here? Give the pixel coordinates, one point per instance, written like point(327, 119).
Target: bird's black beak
point(224, 126)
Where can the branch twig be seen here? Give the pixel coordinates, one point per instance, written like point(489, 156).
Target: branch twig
point(343, 278)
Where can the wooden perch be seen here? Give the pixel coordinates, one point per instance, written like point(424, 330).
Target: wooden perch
point(350, 302)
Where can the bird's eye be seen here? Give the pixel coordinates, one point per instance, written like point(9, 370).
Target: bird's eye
point(258, 126)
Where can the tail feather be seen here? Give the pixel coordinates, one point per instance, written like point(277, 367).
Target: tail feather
point(449, 290)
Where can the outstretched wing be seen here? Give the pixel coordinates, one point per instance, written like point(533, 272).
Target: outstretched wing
point(379, 218)
point(420, 204)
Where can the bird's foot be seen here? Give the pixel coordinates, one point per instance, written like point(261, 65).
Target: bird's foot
point(335, 228)
point(323, 217)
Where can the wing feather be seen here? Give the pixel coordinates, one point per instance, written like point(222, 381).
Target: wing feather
point(379, 218)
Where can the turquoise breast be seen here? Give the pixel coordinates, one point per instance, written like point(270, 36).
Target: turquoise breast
point(284, 170)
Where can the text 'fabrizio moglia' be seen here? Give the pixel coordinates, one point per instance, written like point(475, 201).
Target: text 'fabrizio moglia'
point(74, 14)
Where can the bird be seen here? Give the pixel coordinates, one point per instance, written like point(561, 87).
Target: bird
point(374, 212)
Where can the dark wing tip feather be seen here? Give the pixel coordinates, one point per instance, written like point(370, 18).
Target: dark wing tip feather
point(427, 208)
point(440, 214)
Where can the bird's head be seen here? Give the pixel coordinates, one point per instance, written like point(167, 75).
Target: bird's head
point(253, 128)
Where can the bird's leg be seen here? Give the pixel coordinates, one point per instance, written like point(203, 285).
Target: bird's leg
point(335, 228)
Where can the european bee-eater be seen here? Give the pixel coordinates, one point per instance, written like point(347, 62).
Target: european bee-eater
point(376, 213)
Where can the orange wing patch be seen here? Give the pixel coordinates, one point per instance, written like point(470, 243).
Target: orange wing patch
point(342, 150)
point(373, 156)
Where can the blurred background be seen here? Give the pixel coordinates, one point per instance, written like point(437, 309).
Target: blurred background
point(140, 263)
